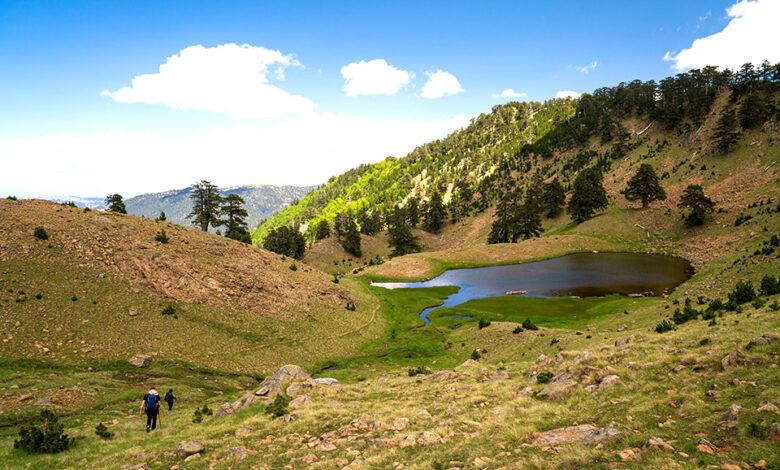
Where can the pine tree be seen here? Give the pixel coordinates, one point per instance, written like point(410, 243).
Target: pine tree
point(115, 204)
point(434, 213)
point(286, 241)
point(235, 218)
point(206, 205)
point(321, 230)
point(528, 221)
point(412, 209)
point(644, 186)
point(726, 133)
point(699, 204)
point(589, 195)
point(553, 198)
point(351, 240)
point(161, 217)
point(503, 229)
point(402, 240)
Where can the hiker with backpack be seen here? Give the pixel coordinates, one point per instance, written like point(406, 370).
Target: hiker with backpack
point(151, 405)
point(169, 398)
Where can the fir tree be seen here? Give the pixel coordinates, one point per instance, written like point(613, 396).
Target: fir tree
point(351, 240)
point(698, 203)
point(434, 213)
point(726, 133)
point(321, 230)
point(528, 221)
point(115, 204)
point(286, 241)
point(402, 240)
point(589, 195)
point(553, 199)
point(235, 218)
point(206, 205)
point(161, 217)
point(644, 186)
point(412, 209)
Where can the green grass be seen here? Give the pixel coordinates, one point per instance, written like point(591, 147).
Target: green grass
point(551, 312)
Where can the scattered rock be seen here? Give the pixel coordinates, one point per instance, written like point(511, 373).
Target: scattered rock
point(558, 390)
point(236, 453)
point(706, 447)
point(503, 375)
point(326, 447)
point(300, 402)
point(192, 457)
point(735, 358)
point(586, 434)
point(342, 462)
point(774, 432)
point(242, 432)
point(309, 458)
point(140, 466)
point(731, 414)
point(766, 406)
point(468, 364)
point(608, 381)
point(25, 397)
point(407, 441)
point(225, 410)
point(399, 424)
point(629, 454)
point(624, 340)
point(442, 375)
point(189, 448)
point(542, 360)
point(762, 340)
point(527, 390)
point(656, 443)
point(428, 438)
point(140, 360)
point(132, 312)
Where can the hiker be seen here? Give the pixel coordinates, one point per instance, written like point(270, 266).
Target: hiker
point(169, 397)
point(151, 405)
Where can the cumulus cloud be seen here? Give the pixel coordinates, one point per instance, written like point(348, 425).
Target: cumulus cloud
point(509, 93)
point(440, 83)
point(587, 68)
point(567, 94)
point(305, 149)
point(752, 35)
point(229, 79)
point(375, 77)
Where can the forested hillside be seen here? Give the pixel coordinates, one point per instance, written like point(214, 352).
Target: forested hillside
point(487, 162)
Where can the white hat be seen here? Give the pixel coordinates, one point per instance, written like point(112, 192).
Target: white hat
point(152, 392)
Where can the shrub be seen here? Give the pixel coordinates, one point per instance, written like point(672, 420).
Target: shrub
point(335, 279)
point(74, 298)
point(475, 355)
point(161, 236)
point(715, 305)
point(102, 431)
point(351, 307)
point(197, 417)
point(743, 292)
point(517, 330)
point(169, 310)
point(732, 306)
point(43, 436)
point(206, 411)
point(758, 302)
point(483, 323)
point(529, 325)
point(40, 233)
point(418, 370)
point(293, 267)
point(664, 326)
point(11, 198)
point(279, 406)
point(756, 430)
point(704, 342)
point(769, 285)
point(686, 314)
point(544, 377)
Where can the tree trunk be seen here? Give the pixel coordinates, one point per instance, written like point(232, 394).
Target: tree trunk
point(645, 203)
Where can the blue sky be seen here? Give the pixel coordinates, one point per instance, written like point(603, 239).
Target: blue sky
point(65, 127)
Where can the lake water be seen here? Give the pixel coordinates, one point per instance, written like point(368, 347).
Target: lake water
point(580, 274)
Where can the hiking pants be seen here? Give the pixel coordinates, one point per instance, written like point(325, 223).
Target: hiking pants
point(170, 405)
point(151, 420)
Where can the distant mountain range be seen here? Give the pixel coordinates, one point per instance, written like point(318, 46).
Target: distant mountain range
point(262, 201)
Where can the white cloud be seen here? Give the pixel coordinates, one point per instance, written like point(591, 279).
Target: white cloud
point(587, 68)
point(509, 93)
point(306, 149)
point(752, 35)
point(567, 94)
point(375, 77)
point(440, 83)
point(229, 79)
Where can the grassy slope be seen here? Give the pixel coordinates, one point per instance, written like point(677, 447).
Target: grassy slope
point(489, 420)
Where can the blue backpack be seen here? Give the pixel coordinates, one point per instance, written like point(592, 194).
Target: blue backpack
point(152, 402)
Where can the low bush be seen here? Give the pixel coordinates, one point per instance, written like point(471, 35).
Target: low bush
point(102, 432)
point(756, 430)
point(664, 326)
point(483, 323)
point(529, 325)
point(769, 285)
point(418, 370)
point(517, 330)
point(293, 267)
point(200, 413)
point(475, 355)
point(279, 406)
point(44, 435)
point(169, 310)
point(40, 233)
point(544, 377)
point(161, 236)
point(743, 293)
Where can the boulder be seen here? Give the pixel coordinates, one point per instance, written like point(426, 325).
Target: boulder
point(731, 414)
point(766, 406)
point(236, 453)
point(281, 380)
point(585, 434)
point(542, 360)
point(774, 432)
point(301, 387)
point(762, 340)
point(624, 340)
point(735, 358)
point(706, 447)
point(326, 381)
point(399, 424)
point(133, 311)
point(503, 375)
point(558, 390)
point(224, 411)
point(189, 448)
point(442, 375)
point(428, 438)
point(656, 443)
point(527, 390)
point(468, 364)
point(140, 360)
